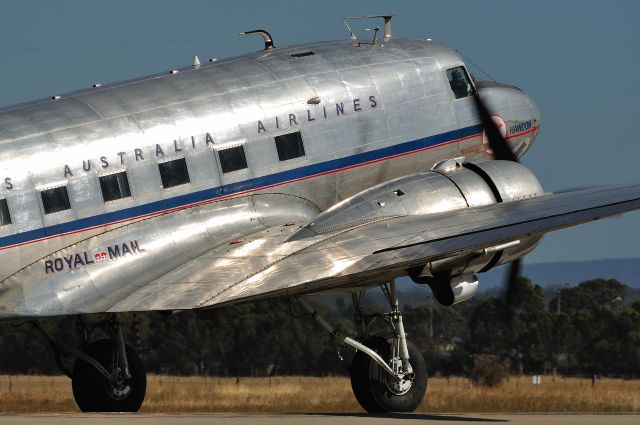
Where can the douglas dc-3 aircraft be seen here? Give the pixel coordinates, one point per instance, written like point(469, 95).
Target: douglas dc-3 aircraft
point(330, 167)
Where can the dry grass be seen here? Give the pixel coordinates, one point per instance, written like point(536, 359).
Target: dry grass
point(312, 395)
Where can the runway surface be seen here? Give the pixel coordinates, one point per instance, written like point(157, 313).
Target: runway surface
point(320, 419)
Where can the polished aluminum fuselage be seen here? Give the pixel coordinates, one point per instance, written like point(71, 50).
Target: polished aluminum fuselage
point(366, 113)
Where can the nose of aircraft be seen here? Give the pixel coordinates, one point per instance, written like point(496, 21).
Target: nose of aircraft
point(515, 113)
point(531, 135)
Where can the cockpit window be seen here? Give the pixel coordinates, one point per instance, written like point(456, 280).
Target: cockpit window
point(460, 82)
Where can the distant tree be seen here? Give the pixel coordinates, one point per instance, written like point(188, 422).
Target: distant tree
point(488, 330)
point(625, 342)
point(592, 331)
point(591, 295)
point(263, 338)
point(564, 340)
point(520, 332)
point(449, 333)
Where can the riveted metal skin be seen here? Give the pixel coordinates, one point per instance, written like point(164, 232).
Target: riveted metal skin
point(435, 192)
point(157, 246)
point(385, 111)
point(511, 180)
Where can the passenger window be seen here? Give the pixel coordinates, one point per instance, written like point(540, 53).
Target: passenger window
point(232, 159)
point(5, 217)
point(55, 200)
point(460, 82)
point(174, 173)
point(289, 146)
point(115, 186)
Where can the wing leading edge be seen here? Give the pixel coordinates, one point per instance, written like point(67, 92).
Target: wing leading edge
point(371, 253)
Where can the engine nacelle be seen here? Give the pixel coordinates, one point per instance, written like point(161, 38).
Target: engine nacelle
point(449, 185)
point(452, 280)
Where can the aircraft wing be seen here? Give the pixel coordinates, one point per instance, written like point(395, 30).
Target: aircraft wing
point(266, 265)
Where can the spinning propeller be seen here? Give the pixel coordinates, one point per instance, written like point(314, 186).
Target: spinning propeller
point(501, 150)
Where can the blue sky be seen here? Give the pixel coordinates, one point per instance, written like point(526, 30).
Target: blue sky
point(577, 59)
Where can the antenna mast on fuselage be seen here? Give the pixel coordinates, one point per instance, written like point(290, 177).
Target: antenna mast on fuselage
point(387, 25)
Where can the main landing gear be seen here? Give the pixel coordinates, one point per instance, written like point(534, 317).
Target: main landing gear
point(388, 373)
point(108, 375)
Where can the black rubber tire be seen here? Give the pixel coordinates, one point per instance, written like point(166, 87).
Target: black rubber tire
point(374, 395)
point(91, 389)
point(359, 372)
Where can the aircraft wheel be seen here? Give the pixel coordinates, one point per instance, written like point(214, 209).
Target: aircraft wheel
point(376, 391)
point(94, 393)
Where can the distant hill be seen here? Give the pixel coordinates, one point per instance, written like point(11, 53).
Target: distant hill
point(626, 270)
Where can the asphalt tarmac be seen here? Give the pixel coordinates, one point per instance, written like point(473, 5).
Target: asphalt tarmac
point(320, 419)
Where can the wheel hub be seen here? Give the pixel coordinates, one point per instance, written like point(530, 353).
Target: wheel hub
point(119, 389)
point(401, 384)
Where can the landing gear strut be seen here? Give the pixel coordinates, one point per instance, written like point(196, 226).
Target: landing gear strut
point(108, 375)
point(388, 373)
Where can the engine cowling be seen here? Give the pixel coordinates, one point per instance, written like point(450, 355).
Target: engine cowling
point(450, 185)
point(453, 280)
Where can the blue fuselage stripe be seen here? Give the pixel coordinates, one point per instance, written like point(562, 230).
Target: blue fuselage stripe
point(252, 184)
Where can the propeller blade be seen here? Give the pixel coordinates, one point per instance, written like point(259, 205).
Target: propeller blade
point(497, 143)
point(511, 285)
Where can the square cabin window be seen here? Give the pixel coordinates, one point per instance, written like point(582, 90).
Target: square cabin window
point(5, 217)
point(289, 146)
point(174, 173)
point(232, 159)
point(55, 200)
point(115, 186)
